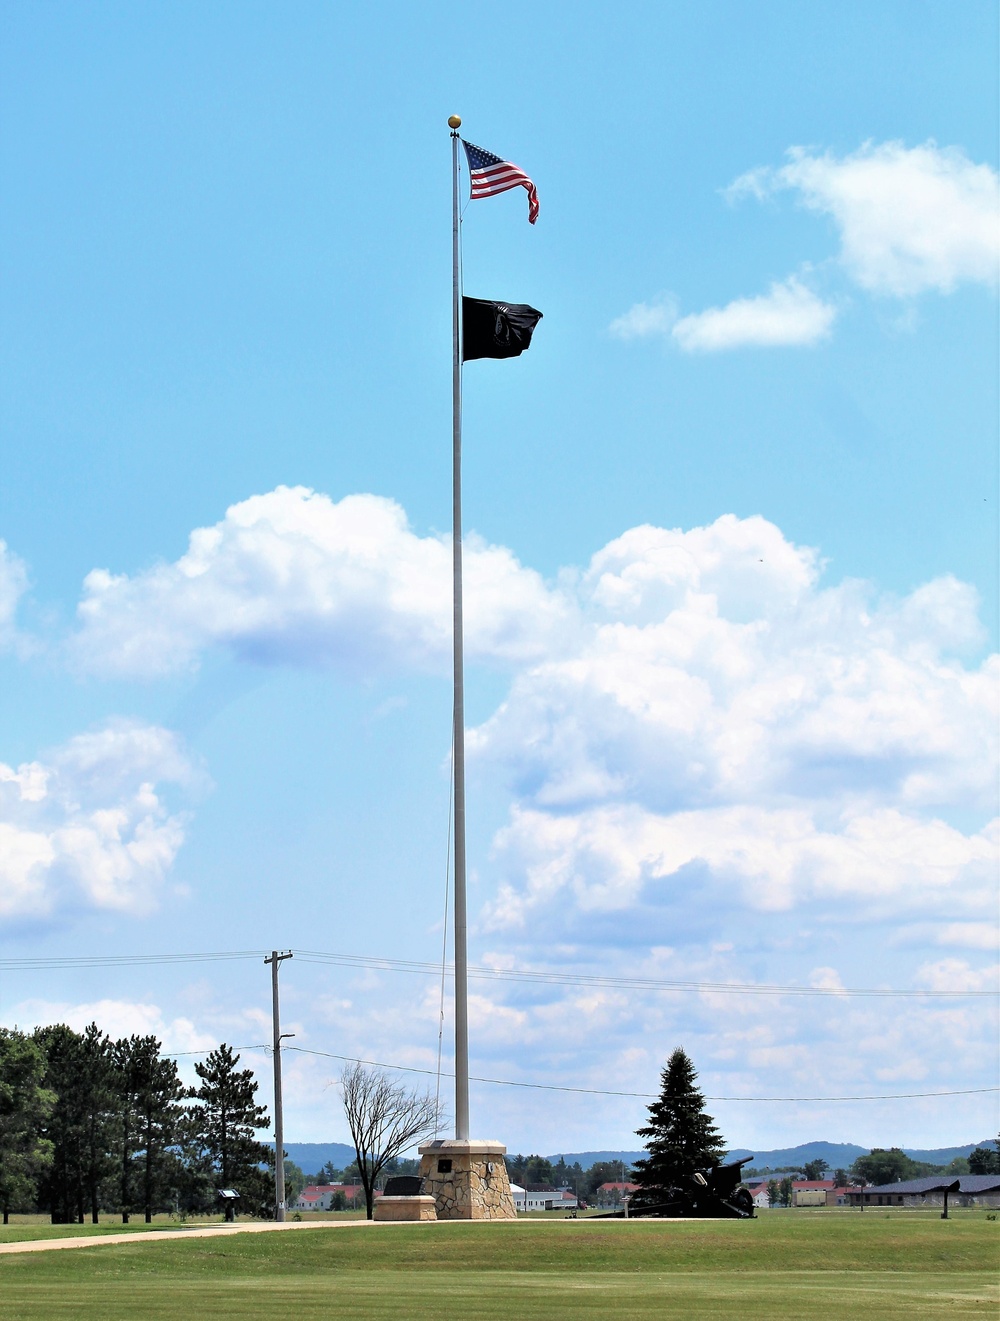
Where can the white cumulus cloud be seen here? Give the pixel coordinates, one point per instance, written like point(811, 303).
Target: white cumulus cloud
point(788, 314)
point(880, 863)
point(970, 935)
point(293, 576)
point(89, 826)
point(910, 218)
point(714, 667)
point(644, 319)
point(13, 584)
point(725, 719)
point(957, 975)
point(117, 1018)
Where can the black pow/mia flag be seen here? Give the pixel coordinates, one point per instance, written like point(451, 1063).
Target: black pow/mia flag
point(496, 330)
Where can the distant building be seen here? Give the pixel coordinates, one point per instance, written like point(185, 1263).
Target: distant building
point(543, 1197)
point(805, 1192)
point(812, 1192)
point(973, 1190)
point(321, 1196)
point(612, 1192)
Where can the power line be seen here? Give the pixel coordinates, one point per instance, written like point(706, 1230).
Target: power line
point(530, 976)
point(643, 1096)
point(176, 1054)
point(126, 960)
point(594, 1091)
point(545, 977)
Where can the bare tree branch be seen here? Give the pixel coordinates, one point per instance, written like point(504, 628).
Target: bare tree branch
point(385, 1118)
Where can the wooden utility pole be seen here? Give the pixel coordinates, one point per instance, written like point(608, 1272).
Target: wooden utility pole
point(279, 1125)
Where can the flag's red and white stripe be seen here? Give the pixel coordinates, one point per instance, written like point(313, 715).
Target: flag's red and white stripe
point(498, 176)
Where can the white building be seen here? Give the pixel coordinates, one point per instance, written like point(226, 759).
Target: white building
point(313, 1198)
point(543, 1199)
point(321, 1196)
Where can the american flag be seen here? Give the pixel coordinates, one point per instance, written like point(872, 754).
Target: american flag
point(490, 175)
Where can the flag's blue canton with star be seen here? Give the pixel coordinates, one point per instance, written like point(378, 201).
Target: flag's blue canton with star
point(491, 175)
point(479, 157)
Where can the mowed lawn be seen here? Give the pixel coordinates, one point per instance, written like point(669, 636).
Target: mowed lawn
point(788, 1264)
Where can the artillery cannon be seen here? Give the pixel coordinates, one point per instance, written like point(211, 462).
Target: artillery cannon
point(713, 1194)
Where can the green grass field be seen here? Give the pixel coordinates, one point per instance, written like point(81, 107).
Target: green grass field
point(871, 1265)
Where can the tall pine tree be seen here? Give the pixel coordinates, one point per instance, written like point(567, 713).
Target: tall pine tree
point(79, 1071)
point(160, 1118)
point(148, 1094)
point(223, 1122)
point(24, 1106)
point(99, 1114)
point(680, 1137)
point(128, 1082)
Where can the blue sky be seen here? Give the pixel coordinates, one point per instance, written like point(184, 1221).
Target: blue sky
point(732, 577)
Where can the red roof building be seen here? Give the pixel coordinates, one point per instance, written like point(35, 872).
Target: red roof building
point(321, 1196)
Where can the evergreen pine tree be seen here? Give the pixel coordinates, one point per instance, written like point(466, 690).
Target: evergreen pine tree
point(984, 1161)
point(160, 1116)
point(61, 1186)
point(148, 1093)
point(98, 1114)
point(125, 1063)
point(223, 1120)
point(680, 1137)
point(78, 1069)
point(24, 1106)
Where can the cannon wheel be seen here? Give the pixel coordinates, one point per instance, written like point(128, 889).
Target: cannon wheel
point(743, 1201)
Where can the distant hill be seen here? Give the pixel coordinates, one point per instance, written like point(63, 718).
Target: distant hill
point(588, 1158)
point(942, 1155)
point(310, 1157)
point(838, 1155)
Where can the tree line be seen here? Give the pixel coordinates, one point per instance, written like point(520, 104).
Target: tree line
point(91, 1125)
point(535, 1171)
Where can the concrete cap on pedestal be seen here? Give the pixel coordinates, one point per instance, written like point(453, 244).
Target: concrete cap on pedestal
point(462, 1147)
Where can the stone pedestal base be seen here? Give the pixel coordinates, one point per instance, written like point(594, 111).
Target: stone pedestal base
point(405, 1208)
point(468, 1180)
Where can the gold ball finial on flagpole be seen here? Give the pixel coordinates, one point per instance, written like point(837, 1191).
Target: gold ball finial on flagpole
point(454, 121)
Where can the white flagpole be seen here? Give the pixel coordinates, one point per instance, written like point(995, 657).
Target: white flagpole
point(461, 935)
